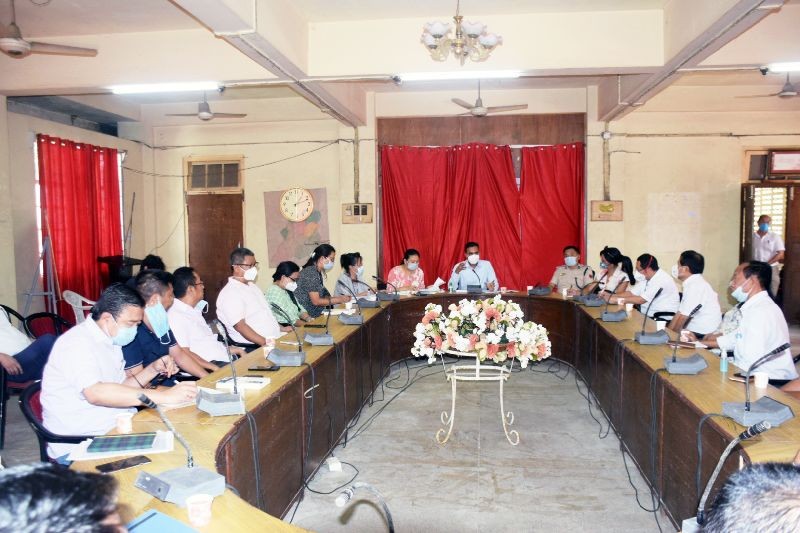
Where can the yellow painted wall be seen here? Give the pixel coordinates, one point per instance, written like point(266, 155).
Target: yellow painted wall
point(8, 281)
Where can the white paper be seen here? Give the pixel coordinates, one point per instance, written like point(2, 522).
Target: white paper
point(164, 442)
point(335, 312)
point(437, 284)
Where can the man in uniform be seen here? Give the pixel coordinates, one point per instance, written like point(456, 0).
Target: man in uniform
point(572, 275)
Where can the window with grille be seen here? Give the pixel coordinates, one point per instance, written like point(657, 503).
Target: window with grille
point(771, 201)
point(214, 175)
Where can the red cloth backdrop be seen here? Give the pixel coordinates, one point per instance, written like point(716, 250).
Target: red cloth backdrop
point(81, 211)
point(552, 208)
point(437, 198)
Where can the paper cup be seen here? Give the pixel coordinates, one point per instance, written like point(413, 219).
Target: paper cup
point(504, 289)
point(529, 287)
point(125, 423)
point(760, 380)
point(198, 506)
point(564, 293)
point(348, 305)
point(660, 325)
point(685, 335)
point(620, 301)
point(629, 308)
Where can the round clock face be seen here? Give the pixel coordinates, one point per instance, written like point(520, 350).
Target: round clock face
point(296, 204)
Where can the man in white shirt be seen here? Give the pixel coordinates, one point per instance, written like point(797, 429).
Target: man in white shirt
point(22, 359)
point(187, 322)
point(762, 328)
point(655, 279)
point(242, 306)
point(473, 271)
point(696, 291)
point(768, 247)
point(84, 387)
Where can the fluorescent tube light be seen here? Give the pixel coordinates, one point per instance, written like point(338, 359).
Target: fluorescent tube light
point(186, 86)
point(784, 67)
point(459, 75)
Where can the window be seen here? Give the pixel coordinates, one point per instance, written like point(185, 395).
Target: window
point(206, 176)
point(771, 201)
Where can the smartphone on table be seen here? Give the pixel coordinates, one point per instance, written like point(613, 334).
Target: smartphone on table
point(123, 464)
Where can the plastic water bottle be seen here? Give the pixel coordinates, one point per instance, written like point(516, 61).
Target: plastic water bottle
point(723, 362)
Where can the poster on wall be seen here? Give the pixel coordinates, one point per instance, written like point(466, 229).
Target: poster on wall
point(289, 239)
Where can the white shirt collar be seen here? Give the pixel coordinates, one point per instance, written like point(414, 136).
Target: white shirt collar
point(96, 332)
point(755, 300)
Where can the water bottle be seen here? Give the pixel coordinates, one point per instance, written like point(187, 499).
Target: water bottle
point(723, 362)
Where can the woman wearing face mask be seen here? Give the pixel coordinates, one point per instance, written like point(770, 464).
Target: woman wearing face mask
point(616, 273)
point(407, 276)
point(351, 281)
point(311, 292)
point(281, 294)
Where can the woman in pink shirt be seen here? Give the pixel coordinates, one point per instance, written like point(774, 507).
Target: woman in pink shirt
point(407, 276)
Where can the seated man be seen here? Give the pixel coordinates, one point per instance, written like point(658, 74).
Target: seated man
point(655, 279)
point(150, 262)
point(22, 359)
point(154, 338)
point(696, 291)
point(187, 322)
point(84, 387)
point(762, 327)
point(572, 275)
point(242, 307)
point(473, 271)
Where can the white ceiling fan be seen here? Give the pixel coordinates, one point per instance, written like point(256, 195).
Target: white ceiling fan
point(478, 110)
point(13, 45)
point(788, 91)
point(204, 112)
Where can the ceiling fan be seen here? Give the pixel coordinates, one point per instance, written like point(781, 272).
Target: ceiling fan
point(204, 112)
point(13, 45)
point(788, 91)
point(478, 110)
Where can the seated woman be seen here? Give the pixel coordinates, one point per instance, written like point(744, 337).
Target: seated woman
point(407, 276)
point(351, 282)
point(616, 273)
point(281, 294)
point(311, 292)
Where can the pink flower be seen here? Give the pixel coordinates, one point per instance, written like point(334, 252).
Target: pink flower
point(541, 350)
point(492, 349)
point(473, 340)
point(438, 342)
point(430, 315)
point(492, 314)
point(512, 349)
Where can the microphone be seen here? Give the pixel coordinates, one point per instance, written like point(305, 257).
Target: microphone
point(750, 432)
point(224, 403)
point(765, 408)
point(385, 296)
point(613, 316)
point(655, 337)
point(321, 339)
point(691, 315)
point(230, 356)
point(364, 302)
point(284, 357)
point(346, 495)
point(179, 483)
point(351, 320)
point(687, 366)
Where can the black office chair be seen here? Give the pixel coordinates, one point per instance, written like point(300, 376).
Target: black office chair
point(666, 316)
point(6, 388)
point(31, 406)
point(39, 324)
point(247, 346)
point(11, 314)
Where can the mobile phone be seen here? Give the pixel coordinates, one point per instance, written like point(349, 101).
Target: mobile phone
point(122, 464)
point(740, 377)
point(314, 326)
point(274, 368)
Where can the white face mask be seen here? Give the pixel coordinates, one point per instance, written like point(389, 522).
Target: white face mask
point(360, 271)
point(291, 286)
point(412, 266)
point(473, 259)
point(675, 271)
point(250, 274)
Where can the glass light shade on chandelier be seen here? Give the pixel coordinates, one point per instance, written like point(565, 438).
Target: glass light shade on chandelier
point(470, 39)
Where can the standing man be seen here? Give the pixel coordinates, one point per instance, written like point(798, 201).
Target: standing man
point(572, 275)
point(696, 291)
point(473, 271)
point(242, 307)
point(768, 247)
point(655, 279)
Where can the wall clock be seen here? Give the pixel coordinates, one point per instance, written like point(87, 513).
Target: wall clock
point(296, 204)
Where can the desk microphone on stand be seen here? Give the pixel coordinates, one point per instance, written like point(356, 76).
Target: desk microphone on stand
point(655, 337)
point(222, 403)
point(765, 408)
point(176, 485)
point(286, 357)
point(613, 316)
point(321, 339)
point(351, 320)
point(385, 296)
point(685, 365)
point(365, 302)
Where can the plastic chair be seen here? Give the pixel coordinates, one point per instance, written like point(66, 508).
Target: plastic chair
point(31, 406)
point(39, 324)
point(11, 314)
point(80, 304)
point(6, 387)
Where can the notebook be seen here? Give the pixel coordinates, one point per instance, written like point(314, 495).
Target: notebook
point(157, 522)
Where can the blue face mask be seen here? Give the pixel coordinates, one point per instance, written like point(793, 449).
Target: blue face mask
point(412, 266)
point(202, 306)
point(157, 316)
point(570, 260)
point(603, 265)
point(124, 336)
point(739, 295)
point(763, 227)
point(327, 265)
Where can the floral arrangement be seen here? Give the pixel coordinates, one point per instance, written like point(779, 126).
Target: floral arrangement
point(492, 328)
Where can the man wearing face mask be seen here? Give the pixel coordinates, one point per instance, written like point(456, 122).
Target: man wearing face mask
point(768, 247)
point(241, 305)
point(84, 387)
point(696, 291)
point(655, 279)
point(187, 322)
point(154, 338)
point(473, 271)
point(572, 275)
point(762, 327)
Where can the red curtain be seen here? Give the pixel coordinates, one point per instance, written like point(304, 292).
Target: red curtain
point(437, 199)
point(552, 210)
point(80, 212)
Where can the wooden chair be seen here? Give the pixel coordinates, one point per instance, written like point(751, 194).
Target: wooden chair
point(39, 324)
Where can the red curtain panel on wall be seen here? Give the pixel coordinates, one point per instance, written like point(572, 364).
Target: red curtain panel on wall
point(81, 211)
point(552, 208)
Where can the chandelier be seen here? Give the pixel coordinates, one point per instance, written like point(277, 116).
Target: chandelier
point(471, 39)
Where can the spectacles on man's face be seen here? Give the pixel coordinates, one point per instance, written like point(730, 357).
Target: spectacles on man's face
point(245, 266)
point(198, 284)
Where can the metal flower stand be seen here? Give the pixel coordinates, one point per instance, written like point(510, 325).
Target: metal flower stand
point(476, 372)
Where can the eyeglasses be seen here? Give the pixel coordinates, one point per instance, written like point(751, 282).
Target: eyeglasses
point(199, 283)
point(243, 265)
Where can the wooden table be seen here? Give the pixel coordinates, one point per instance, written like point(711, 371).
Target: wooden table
point(620, 375)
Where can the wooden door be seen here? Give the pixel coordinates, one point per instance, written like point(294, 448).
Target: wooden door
point(215, 229)
point(790, 276)
point(746, 224)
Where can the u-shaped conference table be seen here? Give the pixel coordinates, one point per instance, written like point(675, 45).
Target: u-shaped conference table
point(268, 453)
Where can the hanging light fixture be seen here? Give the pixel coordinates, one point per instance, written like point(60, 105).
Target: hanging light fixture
point(471, 39)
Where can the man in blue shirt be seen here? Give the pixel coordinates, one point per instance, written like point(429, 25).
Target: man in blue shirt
point(473, 271)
